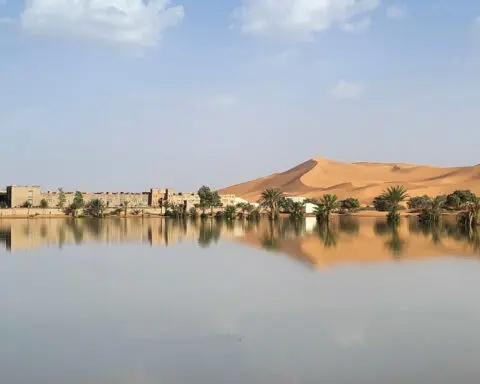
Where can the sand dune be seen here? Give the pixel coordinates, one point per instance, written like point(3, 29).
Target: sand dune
point(361, 180)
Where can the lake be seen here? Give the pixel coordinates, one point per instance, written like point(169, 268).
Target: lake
point(146, 300)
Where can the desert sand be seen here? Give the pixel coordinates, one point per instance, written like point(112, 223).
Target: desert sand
point(364, 181)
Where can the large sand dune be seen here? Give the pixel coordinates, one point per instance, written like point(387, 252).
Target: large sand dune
point(364, 181)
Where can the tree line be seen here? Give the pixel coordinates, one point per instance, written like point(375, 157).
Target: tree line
point(273, 202)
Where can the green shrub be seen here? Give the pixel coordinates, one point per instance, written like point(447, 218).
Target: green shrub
point(350, 204)
point(382, 204)
point(419, 202)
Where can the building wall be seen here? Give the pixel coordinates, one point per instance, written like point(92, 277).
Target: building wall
point(111, 199)
point(18, 195)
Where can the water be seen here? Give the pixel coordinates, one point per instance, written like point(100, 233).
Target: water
point(155, 301)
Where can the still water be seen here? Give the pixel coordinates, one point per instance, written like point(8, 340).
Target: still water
point(162, 301)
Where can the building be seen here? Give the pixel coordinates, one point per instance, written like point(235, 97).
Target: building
point(18, 196)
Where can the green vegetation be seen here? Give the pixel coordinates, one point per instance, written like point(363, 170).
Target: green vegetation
point(393, 196)
point(125, 208)
point(470, 217)
point(419, 202)
point(458, 199)
point(297, 210)
point(254, 215)
point(95, 208)
point(61, 198)
point(381, 204)
point(27, 204)
point(208, 199)
point(245, 209)
point(43, 204)
point(230, 212)
point(166, 207)
point(270, 200)
point(176, 211)
point(350, 204)
point(432, 210)
point(193, 213)
point(325, 206)
point(77, 204)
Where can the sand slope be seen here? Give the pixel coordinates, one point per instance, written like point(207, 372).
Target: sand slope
point(364, 181)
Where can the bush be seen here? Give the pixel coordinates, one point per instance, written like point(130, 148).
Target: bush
point(95, 208)
point(458, 198)
point(419, 202)
point(382, 204)
point(350, 204)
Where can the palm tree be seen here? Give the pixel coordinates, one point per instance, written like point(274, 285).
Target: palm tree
point(270, 200)
point(432, 213)
point(325, 206)
point(230, 212)
point(297, 210)
point(394, 196)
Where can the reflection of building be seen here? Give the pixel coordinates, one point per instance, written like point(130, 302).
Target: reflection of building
point(17, 196)
point(22, 234)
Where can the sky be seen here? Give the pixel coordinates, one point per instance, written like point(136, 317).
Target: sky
point(125, 95)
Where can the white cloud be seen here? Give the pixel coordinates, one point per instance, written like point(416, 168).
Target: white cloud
point(358, 26)
point(131, 22)
point(345, 90)
point(397, 12)
point(298, 19)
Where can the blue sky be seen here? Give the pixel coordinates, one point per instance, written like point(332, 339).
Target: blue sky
point(125, 95)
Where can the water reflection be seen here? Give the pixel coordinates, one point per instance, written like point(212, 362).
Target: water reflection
point(344, 239)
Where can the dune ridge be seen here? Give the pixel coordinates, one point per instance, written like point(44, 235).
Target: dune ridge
point(363, 180)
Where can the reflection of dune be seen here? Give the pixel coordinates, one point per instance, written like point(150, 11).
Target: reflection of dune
point(347, 243)
point(368, 247)
point(363, 180)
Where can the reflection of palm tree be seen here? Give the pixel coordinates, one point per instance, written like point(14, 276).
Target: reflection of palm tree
point(270, 237)
point(395, 244)
point(327, 234)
